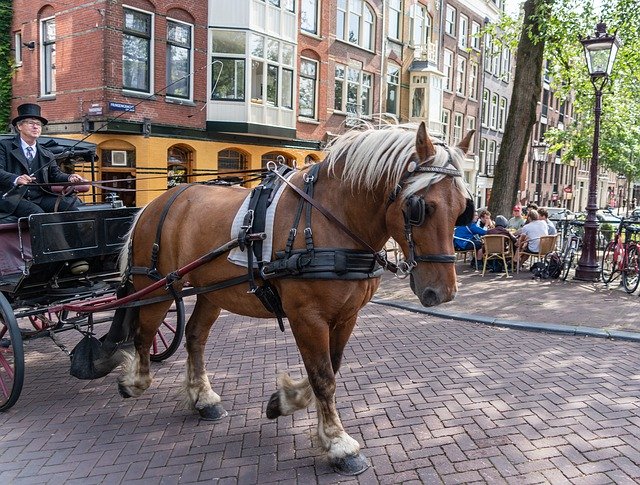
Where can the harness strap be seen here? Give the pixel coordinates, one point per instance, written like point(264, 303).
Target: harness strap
point(379, 258)
point(155, 248)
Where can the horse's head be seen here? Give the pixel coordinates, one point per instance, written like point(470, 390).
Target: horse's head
point(430, 199)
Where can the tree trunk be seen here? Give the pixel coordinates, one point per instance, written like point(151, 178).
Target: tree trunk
point(527, 87)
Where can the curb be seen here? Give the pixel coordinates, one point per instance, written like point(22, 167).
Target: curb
point(516, 324)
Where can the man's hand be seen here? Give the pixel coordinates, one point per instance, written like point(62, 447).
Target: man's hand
point(76, 179)
point(25, 179)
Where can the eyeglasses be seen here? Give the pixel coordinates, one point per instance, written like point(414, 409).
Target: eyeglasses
point(32, 122)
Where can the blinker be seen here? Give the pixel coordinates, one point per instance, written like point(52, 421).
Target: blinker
point(415, 211)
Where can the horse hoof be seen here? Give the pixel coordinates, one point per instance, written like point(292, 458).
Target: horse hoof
point(123, 391)
point(350, 465)
point(212, 413)
point(273, 408)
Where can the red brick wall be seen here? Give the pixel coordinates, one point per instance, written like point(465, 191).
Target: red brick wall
point(89, 60)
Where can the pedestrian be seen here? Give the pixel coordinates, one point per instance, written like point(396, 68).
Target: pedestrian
point(24, 161)
point(517, 221)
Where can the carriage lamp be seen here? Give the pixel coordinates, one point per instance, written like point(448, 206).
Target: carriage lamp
point(600, 52)
point(540, 150)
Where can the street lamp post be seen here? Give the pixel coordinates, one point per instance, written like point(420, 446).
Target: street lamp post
point(540, 149)
point(600, 52)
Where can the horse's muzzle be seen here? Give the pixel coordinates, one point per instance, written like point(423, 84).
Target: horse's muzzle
point(430, 296)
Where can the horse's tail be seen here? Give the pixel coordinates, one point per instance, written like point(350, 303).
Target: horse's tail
point(125, 252)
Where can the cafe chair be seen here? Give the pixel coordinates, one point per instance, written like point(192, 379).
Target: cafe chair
point(497, 247)
point(547, 245)
point(464, 252)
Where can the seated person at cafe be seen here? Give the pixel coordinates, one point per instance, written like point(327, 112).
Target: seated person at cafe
point(529, 235)
point(517, 221)
point(544, 215)
point(467, 238)
point(484, 220)
point(501, 229)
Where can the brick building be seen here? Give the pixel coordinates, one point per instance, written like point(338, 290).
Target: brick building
point(174, 93)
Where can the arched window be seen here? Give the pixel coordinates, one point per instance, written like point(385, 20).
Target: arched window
point(231, 162)
point(355, 23)
point(278, 158)
point(178, 166)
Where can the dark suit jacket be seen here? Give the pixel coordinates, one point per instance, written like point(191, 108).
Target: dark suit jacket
point(13, 163)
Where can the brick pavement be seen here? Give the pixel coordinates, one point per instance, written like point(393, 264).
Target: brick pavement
point(525, 299)
point(432, 400)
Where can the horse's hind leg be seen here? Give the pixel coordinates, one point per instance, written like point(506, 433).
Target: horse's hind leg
point(197, 387)
point(136, 378)
point(321, 351)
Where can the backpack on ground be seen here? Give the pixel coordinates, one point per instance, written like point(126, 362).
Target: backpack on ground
point(550, 268)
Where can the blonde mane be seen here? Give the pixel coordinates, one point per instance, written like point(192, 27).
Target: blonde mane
point(370, 156)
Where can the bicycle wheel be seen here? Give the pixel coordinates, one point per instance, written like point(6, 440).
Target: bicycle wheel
point(631, 273)
point(566, 266)
point(608, 267)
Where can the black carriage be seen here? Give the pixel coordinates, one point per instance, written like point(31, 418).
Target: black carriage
point(52, 261)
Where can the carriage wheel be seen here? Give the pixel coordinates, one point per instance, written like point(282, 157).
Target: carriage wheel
point(169, 335)
point(11, 356)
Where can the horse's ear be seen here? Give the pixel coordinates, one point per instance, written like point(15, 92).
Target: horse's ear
point(464, 144)
point(424, 147)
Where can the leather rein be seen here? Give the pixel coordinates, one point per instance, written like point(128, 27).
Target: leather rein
point(404, 267)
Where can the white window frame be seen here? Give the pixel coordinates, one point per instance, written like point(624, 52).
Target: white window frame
point(314, 79)
point(473, 80)
point(471, 124)
point(448, 70)
point(363, 83)
point(463, 31)
point(485, 108)
point(276, 73)
point(483, 155)
point(458, 123)
point(506, 64)
point(420, 25)
point(190, 49)
point(394, 73)
point(475, 36)
point(395, 13)
point(493, 113)
point(491, 157)
point(17, 53)
point(366, 23)
point(461, 73)
point(502, 113)
point(151, 61)
point(445, 119)
point(450, 21)
point(47, 59)
point(235, 60)
point(312, 7)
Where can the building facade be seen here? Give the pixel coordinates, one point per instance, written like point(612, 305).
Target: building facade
point(173, 93)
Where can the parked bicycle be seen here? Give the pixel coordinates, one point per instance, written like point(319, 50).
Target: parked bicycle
point(572, 243)
point(621, 257)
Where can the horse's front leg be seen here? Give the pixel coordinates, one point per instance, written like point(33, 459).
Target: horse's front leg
point(321, 356)
point(136, 377)
point(199, 394)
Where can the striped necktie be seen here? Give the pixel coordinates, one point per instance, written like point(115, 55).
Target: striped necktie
point(30, 153)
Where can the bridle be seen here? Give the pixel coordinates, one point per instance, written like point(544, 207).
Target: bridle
point(415, 213)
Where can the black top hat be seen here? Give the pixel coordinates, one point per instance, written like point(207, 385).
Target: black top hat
point(28, 110)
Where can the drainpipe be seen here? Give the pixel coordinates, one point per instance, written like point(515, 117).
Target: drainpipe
point(383, 53)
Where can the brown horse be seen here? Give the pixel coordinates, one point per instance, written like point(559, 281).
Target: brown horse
point(393, 182)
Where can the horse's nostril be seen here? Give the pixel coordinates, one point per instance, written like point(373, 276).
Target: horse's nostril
point(429, 298)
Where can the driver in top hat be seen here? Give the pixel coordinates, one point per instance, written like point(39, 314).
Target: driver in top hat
point(24, 161)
